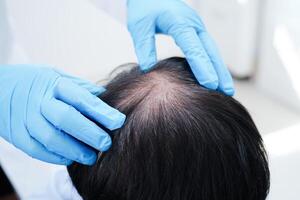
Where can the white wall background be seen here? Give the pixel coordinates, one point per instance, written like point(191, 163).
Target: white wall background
point(259, 38)
point(76, 36)
point(278, 71)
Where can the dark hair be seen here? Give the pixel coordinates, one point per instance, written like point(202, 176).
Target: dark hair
point(180, 141)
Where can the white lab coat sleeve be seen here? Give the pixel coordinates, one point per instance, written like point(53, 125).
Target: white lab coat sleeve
point(59, 188)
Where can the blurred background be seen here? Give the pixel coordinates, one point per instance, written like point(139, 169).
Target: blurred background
point(258, 39)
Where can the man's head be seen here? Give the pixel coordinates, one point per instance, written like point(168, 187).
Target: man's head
point(180, 141)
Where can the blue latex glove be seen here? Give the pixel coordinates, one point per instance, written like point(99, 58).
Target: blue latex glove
point(175, 18)
point(51, 116)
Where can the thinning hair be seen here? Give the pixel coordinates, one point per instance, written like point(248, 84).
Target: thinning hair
point(180, 141)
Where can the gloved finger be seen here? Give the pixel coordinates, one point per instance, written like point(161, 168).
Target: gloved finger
point(225, 79)
point(89, 105)
point(145, 50)
point(61, 143)
point(189, 42)
point(66, 118)
point(36, 150)
point(91, 87)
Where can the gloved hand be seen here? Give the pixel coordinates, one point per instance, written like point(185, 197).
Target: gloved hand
point(51, 116)
point(175, 18)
